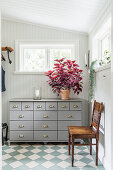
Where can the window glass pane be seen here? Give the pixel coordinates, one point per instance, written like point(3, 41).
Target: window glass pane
point(34, 60)
point(105, 46)
point(58, 54)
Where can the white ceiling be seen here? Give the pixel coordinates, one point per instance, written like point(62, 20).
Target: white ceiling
point(76, 15)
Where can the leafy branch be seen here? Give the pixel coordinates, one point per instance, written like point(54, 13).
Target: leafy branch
point(92, 80)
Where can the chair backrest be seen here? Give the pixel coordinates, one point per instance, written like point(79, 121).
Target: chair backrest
point(96, 115)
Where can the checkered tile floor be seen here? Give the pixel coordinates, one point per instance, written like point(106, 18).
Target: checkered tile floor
point(46, 157)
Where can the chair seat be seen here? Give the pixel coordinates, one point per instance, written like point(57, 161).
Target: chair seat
point(81, 130)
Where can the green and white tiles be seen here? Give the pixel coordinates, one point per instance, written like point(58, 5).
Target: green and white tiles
point(47, 157)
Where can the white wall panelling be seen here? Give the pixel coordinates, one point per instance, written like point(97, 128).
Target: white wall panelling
point(22, 86)
point(111, 118)
point(102, 91)
point(0, 103)
point(102, 94)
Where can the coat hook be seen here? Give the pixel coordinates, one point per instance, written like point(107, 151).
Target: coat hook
point(8, 51)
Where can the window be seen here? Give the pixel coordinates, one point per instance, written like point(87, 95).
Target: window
point(34, 57)
point(102, 43)
point(57, 53)
point(105, 46)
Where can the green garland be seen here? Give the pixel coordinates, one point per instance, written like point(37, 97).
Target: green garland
point(91, 80)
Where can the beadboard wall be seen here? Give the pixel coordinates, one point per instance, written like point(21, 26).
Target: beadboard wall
point(102, 92)
point(22, 86)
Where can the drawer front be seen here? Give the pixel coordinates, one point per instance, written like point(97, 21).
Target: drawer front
point(63, 105)
point(21, 115)
point(27, 105)
point(104, 74)
point(63, 125)
point(45, 135)
point(75, 105)
point(15, 105)
point(21, 125)
point(45, 125)
point(51, 105)
point(21, 136)
point(39, 105)
point(63, 136)
point(69, 115)
point(45, 115)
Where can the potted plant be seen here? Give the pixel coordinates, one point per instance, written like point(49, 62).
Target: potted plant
point(65, 76)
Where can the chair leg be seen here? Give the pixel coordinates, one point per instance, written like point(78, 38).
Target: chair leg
point(72, 139)
point(69, 143)
point(96, 152)
point(90, 146)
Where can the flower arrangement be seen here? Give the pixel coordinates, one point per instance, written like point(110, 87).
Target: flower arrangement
point(65, 75)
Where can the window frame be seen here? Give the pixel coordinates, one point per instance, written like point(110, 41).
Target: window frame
point(107, 35)
point(20, 44)
point(105, 30)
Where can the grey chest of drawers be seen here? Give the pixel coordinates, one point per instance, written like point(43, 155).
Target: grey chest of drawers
point(45, 120)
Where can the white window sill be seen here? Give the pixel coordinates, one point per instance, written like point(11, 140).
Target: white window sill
point(103, 67)
point(29, 73)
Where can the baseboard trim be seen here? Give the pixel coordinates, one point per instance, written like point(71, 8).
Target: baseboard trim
point(106, 164)
point(100, 153)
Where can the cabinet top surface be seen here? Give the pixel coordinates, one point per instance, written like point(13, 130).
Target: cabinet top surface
point(48, 99)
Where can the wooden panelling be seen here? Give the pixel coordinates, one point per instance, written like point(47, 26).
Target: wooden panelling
point(22, 86)
point(58, 13)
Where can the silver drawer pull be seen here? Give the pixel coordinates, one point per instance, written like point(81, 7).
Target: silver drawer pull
point(21, 116)
point(21, 136)
point(63, 106)
point(39, 106)
point(15, 106)
point(45, 116)
point(69, 116)
point(51, 106)
point(45, 126)
point(45, 136)
point(21, 126)
point(75, 106)
point(27, 106)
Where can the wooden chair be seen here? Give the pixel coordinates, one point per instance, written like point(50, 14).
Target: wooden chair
point(87, 132)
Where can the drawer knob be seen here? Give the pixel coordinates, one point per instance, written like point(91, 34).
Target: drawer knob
point(51, 106)
point(63, 106)
point(27, 106)
point(21, 126)
point(45, 136)
point(45, 126)
point(69, 116)
point(21, 116)
point(21, 136)
point(15, 106)
point(45, 116)
point(75, 106)
point(39, 106)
